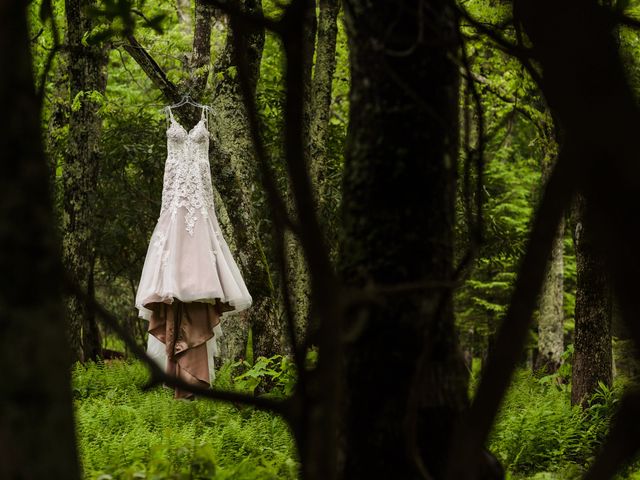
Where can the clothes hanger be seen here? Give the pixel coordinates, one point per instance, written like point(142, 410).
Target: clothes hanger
point(207, 110)
point(186, 99)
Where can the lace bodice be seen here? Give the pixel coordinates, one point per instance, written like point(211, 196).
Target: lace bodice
point(187, 175)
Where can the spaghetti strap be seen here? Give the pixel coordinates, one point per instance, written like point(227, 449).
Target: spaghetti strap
point(169, 116)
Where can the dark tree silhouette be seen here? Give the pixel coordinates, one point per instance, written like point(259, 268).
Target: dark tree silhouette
point(405, 380)
point(592, 358)
point(37, 437)
point(87, 74)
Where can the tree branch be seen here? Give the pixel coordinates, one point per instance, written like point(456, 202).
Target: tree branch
point(151, 69)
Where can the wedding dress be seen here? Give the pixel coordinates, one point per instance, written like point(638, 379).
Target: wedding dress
point(189, 278)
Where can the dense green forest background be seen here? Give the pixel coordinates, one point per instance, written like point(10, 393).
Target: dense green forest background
point(105, 71)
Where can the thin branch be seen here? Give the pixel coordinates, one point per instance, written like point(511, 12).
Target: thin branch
point(318, 450)
point(126, 69)
point(517, 50)
point(474, 77)
point(311, 236)
point(509, 47)
point(37, 35)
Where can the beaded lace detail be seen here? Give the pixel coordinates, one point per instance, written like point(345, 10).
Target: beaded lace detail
point(187, 175)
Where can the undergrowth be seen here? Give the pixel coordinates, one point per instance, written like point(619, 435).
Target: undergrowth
point(127, 433)
point(539, 435)
point(538, 429)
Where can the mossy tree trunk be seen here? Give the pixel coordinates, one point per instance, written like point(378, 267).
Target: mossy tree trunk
point(234, 165)
point(321, 88)
point(296, 265)
point(87, 79)
point(551, 312)
point(321, 34)
point(592, 357)
point(405, 378)
point(37, 437)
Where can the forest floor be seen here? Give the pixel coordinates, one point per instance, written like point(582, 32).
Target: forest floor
point(127, 433)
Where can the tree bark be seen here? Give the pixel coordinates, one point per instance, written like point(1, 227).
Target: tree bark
point(200, 61)
point(405, 377)
point(87, 74)
point(37, 438)
point(234, 163)
point(317, 111)
point(592, 358)
point(321, 88)
point(551, 312)
point(296, 265)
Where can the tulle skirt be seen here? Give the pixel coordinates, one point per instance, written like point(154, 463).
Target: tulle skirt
point(194, 267)
point(188, 282)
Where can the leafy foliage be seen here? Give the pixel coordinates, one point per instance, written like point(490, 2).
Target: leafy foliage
point(538, 429)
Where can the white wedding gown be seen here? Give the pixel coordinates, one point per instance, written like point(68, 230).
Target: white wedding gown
point(188, 258)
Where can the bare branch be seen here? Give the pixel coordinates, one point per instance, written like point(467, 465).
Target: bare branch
point(517, 50)
point(489, 31)
point(151, 69)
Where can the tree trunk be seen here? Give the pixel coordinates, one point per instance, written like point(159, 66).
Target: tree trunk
point(234, 163)
point(592, 358)
point(91, 338)
point(183, 11)
point(296, 265)
point(37, 437)
point(406, 383)
point(551, 313)
point(317, 112)
point(321, 88)
point(87, 74)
